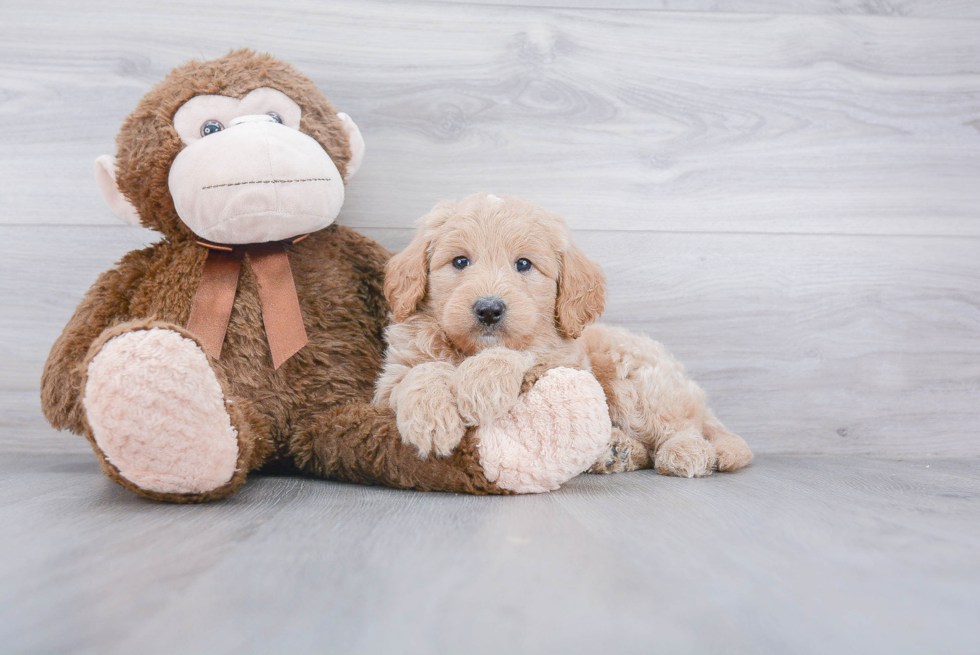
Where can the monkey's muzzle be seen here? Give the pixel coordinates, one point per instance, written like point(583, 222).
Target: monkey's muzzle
point(255, 181)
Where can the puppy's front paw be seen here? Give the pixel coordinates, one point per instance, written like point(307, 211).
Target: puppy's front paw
point(687, 454)
point(425, 410)
point(487, 385)
point(430, 429)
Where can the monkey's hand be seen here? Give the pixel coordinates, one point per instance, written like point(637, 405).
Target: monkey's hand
point(487, 385)
point(425, 409)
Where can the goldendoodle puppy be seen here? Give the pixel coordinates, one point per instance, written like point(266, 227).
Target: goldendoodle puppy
point(489, 296)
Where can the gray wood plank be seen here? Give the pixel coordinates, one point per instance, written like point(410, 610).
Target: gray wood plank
point(896, 8)
point(795, 554)
point(788, 201)
point(835, 344)
point(618, 119)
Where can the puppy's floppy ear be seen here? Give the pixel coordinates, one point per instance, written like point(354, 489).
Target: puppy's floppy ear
point(406, 277)
point(407, 273)
point(581, 292)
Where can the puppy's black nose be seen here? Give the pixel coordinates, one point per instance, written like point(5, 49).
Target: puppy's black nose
point(489, 310)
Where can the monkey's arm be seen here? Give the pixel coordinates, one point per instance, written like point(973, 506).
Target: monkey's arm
point(104, 305)
point(357, 442)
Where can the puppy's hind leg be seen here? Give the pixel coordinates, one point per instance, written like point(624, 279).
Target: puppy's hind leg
point(624, 453)
point(733, 453)
point(686, 454)
point(651, 398)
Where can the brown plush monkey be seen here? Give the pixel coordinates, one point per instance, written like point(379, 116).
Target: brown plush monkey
point(252, 333)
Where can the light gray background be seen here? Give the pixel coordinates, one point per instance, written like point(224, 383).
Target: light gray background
point(787, 194)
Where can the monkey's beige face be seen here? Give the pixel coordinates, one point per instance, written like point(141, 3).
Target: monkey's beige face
point(247, 174)
point(493, 280)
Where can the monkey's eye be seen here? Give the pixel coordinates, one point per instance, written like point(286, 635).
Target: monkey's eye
point(275, 117)
point(210, 127)
point(459, 263)
point(522, 265)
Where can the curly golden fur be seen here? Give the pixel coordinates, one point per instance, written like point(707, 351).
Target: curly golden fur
point(448, 367)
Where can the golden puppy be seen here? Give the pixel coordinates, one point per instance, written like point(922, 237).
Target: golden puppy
point(489, 296)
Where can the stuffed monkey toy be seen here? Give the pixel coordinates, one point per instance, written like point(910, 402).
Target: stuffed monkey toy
point(252, 334)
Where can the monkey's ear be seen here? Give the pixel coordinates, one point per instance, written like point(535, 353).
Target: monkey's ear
point(581, 292)
point(406, 278)
point(105, 177)
point(356, 145)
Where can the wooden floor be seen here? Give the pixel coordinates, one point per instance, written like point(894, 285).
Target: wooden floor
point(820, 554)
point(785, 192)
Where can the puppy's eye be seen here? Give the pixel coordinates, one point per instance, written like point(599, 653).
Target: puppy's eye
point(210, 127)
point(275, 117)
point(459, 263)
point(522, 265)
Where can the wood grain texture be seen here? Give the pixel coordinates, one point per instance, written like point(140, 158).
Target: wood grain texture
point(792, 555)
point(784, 193)
point(618, 119)
point(789, 202)
point(847, 344)
point(896, 8)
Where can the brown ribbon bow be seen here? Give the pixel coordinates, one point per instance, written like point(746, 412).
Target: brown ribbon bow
point(215, 297)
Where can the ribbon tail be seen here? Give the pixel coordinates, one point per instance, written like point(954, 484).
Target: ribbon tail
point(214, 299)
point(280, 305)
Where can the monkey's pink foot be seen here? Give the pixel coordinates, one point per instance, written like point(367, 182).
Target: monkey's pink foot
point(158, 414)
point(555, 431)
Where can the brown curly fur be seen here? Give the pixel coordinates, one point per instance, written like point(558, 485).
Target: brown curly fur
point(313, 412)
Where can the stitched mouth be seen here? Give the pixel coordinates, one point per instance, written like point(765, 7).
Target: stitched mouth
point(308, 179)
